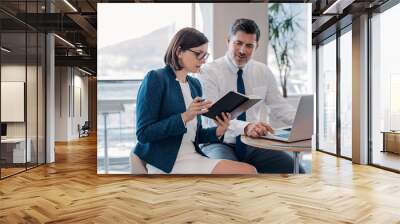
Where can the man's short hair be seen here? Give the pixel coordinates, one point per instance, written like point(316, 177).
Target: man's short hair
point(183, 40)
point(245, 25)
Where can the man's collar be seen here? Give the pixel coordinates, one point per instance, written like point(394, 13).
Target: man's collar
point(232, 66)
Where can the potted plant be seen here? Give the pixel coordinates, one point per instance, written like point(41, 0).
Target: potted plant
point(282, 32)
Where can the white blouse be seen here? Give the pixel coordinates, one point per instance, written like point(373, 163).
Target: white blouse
point(188, 161)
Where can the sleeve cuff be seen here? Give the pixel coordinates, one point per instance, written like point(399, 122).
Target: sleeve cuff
point(183, 121)
point(221, 138)
point(238, 127)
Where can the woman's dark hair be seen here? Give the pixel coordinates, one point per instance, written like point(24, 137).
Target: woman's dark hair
point(245, 25)
point(184, 39)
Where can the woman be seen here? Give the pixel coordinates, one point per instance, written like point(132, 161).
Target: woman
point(168, 111)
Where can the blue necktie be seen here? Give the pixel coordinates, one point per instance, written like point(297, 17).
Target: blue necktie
point(240, 148)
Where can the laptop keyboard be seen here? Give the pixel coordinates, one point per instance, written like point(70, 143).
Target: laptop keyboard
point(283, 135)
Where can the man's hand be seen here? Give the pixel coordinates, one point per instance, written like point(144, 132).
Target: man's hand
point(257, 129)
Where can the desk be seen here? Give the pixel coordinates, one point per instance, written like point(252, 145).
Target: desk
point(391, 141)
point(295, 147)
point(17, 149)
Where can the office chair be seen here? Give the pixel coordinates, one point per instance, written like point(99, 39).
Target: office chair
point(84, 130)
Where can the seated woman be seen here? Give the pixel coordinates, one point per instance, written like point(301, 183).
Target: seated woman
point(168, 113)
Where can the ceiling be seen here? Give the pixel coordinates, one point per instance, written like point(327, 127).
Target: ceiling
point(75, 21)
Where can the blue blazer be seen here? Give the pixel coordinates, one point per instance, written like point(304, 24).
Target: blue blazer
point(159, 125)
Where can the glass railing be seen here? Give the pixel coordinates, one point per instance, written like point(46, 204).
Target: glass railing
point(116, 124)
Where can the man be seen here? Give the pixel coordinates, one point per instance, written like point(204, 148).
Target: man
point(237, 71)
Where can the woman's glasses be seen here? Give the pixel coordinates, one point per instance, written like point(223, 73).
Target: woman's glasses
point(200, 55)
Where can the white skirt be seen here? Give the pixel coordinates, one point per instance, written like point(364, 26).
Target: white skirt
point(188, 161)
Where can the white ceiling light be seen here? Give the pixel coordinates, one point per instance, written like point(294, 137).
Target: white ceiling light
point(84, 71)
point(70, 5)
point(64, 40)
point(5, 50)
point(337, 7)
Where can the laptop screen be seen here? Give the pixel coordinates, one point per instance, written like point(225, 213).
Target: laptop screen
point(3, 129)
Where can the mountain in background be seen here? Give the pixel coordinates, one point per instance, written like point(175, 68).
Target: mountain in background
point(135, 57)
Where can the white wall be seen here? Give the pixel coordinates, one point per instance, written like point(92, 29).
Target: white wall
point(224, 16)
point(16, 73)
point(69, 85)
point(62, 81)
point(82, 82)
point(13, 72)
point(33, 125)
point(80, 115)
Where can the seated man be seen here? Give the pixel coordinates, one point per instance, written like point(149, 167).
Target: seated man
point(84, 130)
point(237, 71)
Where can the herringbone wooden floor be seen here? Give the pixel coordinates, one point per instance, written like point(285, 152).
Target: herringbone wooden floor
point(70, 191)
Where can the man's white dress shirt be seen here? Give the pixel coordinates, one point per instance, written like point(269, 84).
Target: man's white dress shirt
point(220, 76)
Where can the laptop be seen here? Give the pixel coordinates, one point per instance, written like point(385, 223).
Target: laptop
point(303, 125)
point(3, 131)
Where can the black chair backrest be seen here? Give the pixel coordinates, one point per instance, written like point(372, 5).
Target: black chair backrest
point(86, 125)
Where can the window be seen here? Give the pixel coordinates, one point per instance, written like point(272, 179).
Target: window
point(22, 65)
point(116, 120)
point(327, 96)
point(385, 84)
point(346, 94)
point(130, 43)
point(204, 23)
point(291, 40)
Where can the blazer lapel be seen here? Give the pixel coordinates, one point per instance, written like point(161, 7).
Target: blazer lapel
point(180, 102)
point(180, 99)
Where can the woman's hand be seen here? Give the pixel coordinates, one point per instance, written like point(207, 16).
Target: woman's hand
point(197, 107)
point(223, 123)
